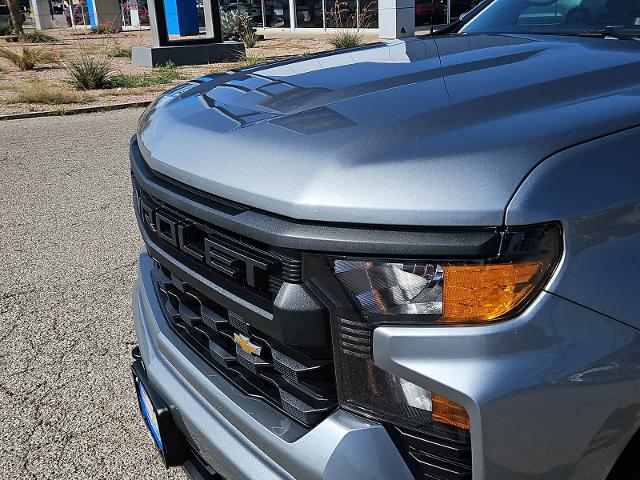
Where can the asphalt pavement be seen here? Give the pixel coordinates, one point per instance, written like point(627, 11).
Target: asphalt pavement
point(68, 250)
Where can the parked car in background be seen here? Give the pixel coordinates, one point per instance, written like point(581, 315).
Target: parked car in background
point(411, 260)
point(58, 6)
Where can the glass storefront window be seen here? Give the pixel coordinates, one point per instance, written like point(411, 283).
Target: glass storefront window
point(309, 14)
point(253, 8)
point(431, 11)
point(134, 12)
point(458, 7)
point(228, 5)
point(368, 14)
point(276, 13)
point(436, 11)
point(342, 14)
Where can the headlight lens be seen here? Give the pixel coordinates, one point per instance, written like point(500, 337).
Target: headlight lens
point(364, 293)
point(392, 288)
point(452, 291)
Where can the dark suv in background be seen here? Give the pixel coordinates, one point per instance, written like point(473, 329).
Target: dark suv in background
point(417, 259)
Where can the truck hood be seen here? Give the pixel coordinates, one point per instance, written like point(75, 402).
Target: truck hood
point(435, 131)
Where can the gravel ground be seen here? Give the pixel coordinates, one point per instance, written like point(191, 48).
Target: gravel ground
point(73, 46)
point(69, 247)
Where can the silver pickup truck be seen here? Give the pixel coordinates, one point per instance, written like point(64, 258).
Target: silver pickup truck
point(417, 259)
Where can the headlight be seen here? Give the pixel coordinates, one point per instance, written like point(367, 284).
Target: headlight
point(363, 293)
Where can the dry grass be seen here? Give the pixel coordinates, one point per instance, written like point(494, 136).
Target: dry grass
point(27, 58)
point(41, 93)
point(347, 39)
point(250, 59)
point(135, 83)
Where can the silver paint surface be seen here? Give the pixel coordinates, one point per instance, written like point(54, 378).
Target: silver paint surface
point(393, 133)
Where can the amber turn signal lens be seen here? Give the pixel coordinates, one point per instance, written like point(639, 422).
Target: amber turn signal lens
point(480, 293)
point(449, 413)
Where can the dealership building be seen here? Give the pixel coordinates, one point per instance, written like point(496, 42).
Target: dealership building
point(186, 17)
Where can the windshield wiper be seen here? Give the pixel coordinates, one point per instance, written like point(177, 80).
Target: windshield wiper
point(607, 32)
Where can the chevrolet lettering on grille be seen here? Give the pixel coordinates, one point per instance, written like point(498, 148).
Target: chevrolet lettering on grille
point(226, 255)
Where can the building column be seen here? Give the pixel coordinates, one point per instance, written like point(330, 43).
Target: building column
point(396, 18)
point(105, 12)
point(293, 18)
point(181, 17)
point(42, 14)
point(134, 15)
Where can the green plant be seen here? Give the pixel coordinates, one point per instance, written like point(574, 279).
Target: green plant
point(90, 73)
point(250, 39)
point(36, 36)
point(349, 24)
point(249, 60)
point(235, 26)
point(27, 57)
point(119, 52)
point(6, 29)
point(160, 76)
point(37, 92)
point(347, 39)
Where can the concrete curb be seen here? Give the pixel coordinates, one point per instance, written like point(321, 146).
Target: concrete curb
point(74, 111)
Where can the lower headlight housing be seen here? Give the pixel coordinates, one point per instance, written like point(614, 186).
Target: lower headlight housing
point(363, 293)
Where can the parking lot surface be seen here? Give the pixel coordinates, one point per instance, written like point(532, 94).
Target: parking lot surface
point(69, 245)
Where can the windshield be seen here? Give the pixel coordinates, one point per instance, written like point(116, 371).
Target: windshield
point(556, 17)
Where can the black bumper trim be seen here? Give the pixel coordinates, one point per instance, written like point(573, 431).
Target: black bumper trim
point(182, 454)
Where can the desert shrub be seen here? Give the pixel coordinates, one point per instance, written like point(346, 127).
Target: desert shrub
point(26, 58)
point(249, 60)
point(119, 52)
point(236, 26)
point(36, 36)
point(347, 39)
point(250, 39)
point(37, 92)
point(349, 24)
point(90, 73)
point(6, 29)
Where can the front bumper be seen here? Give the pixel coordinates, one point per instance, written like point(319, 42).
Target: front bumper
point(243, 438)
point(546, 394)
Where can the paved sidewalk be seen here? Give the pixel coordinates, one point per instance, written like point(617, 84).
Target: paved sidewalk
point(69, 245)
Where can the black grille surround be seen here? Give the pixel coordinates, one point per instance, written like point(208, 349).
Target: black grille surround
point(299, 380)
point(253, 266)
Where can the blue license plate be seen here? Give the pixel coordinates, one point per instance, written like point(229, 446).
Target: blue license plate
point(149, 414)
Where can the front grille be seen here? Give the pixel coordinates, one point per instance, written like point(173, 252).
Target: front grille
point(432, 457)
point(253, 266)
point(298, 381)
